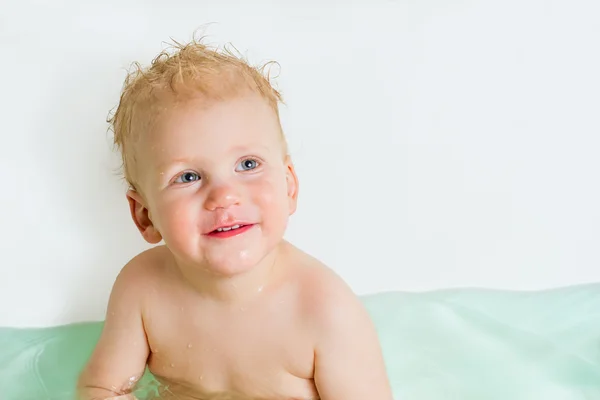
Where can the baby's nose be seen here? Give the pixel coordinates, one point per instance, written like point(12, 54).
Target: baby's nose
point(223, 196)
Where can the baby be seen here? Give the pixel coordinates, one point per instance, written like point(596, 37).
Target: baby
point(225, 305)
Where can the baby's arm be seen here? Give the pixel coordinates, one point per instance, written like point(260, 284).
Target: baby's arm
point(120, 356)
point(349, 363)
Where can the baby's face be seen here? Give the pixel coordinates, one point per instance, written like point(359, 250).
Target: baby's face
point(207, 168)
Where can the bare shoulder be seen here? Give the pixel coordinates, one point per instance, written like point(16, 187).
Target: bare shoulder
point(324, 296)
point(129, 290)
point(139, 278)
point(144, 268)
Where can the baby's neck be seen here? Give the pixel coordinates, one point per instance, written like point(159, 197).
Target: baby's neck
point(240, 288)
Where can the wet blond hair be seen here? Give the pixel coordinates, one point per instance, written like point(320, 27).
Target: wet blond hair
point(179, 73)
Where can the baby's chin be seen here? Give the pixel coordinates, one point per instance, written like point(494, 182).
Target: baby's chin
point(234, 262)
point(227, 257)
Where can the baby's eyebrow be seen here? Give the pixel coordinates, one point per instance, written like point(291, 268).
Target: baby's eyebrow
point(172, 163)
point(249, 148)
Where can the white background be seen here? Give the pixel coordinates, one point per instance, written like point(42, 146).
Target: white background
point(439, 144)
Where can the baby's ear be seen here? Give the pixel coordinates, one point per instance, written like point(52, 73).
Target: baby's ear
point(141, 217)
point(292, 184)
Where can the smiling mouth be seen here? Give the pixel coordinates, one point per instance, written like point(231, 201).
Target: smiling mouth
point(229, 231)
point(230, 228)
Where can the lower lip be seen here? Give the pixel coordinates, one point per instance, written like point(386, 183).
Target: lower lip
point(230, 233)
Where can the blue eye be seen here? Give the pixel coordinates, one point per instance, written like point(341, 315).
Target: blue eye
point(187, 177)
point(247, 165)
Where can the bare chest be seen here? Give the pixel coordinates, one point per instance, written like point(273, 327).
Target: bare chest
point(262, 353)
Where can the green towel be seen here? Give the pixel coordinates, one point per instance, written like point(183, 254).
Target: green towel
point(453, 344)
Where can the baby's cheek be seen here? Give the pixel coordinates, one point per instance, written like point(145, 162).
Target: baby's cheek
point(176, 219)
point(271, 198)
point(268, 194)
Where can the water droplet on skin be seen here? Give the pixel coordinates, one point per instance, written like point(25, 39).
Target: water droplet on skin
point(172, 365)
point(189, 345)
point(181, 309)
point(242, 309)
point(131, 383)
point(201, 377)
point(260, 289)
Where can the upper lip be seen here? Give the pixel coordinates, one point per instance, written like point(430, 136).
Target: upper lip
point(228, 225)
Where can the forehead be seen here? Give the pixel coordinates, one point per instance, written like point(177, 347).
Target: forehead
point(199, 128)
